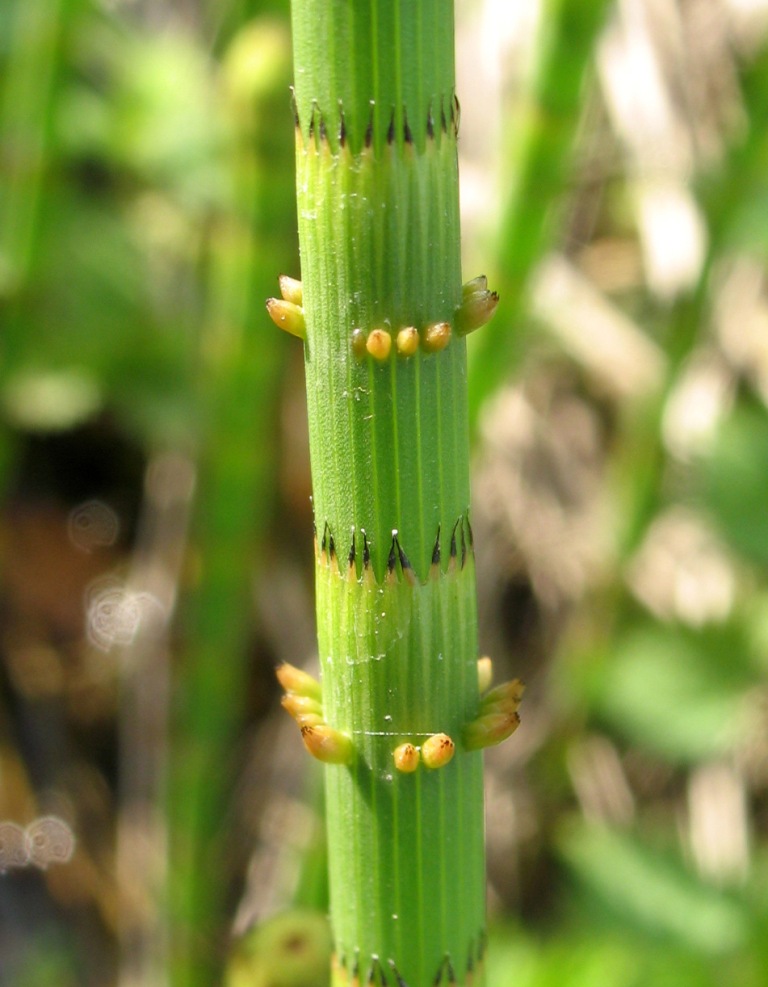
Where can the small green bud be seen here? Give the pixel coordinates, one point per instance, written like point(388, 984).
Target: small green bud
point(489, 729)
point(358, 343)
point(480, 283)
point(475, 311)
point(504, 697)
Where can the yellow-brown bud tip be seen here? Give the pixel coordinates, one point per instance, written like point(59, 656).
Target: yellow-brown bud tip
point(379, 344)
point(287, 316)
point(407, 341)
point(300, 683)
point(326, 744)
point(291, 289)
point(437, 336)
point(437, 750)
point(406, 758)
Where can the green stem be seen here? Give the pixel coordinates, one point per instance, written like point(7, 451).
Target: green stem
point(26, 110)
point(379, 236)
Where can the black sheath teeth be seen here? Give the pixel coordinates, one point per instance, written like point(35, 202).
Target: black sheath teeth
point(398, 125)
point(436, 549)
point(392, 560)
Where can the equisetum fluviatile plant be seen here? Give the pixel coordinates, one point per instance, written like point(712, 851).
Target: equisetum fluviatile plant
point(405, 706)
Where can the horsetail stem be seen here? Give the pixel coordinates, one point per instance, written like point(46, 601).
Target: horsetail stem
point(383, 315)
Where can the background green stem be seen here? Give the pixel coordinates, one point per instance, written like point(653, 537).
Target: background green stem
point(540, 168)
point(239, 375)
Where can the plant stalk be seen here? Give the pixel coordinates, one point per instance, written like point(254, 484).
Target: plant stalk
point(377, 182)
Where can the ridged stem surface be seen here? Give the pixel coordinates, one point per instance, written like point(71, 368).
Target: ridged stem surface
point(376, 127)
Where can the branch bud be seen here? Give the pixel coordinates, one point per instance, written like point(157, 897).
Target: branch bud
point(326, 744)
point(291, 289)
point(287, 316)
point(300, 683)
point(438, 750)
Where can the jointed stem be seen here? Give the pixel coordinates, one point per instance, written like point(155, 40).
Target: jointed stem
point(406, 851)
point(382, 314)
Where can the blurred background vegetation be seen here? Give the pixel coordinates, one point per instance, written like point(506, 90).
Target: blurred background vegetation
point(156, 519)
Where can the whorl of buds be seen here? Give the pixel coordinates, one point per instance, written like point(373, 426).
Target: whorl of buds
point(303, 700)
point(476, 309)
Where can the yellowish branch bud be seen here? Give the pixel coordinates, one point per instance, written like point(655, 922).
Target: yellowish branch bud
point(300, 683)
point(484, 673)
point(406, 758)
point(437, 336)
point(407, 341)
point(438, 750)
point(291, 289)
point(287, 316)
point(379, 344)
point(326, 744)
point(302, 706)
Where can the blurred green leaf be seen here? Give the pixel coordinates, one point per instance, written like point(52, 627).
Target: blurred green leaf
point(652, 891)
point(165, 123)
point(517, 960)
point(677, 692)
point(736, 482)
